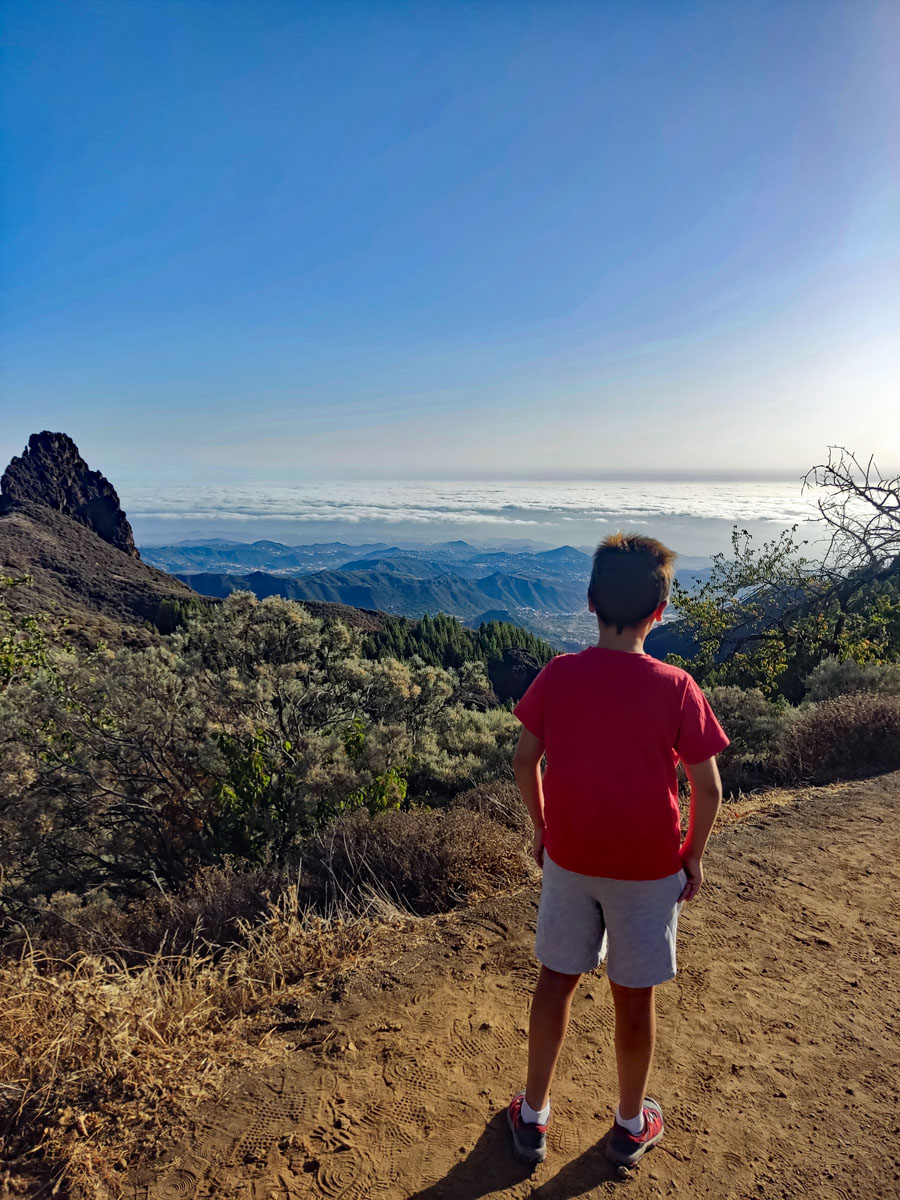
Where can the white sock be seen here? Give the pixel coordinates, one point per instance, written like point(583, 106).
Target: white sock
point(533, 1116)
point(634, 1125)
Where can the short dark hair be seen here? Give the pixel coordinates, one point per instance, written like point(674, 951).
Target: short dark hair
point(630, 578)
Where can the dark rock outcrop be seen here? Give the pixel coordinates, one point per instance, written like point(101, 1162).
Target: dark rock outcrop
point(62, 528)
point(52, 473)
point(512, 674)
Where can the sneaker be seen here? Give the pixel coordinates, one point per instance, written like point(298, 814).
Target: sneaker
point(626, 1148)
point(529, 1138)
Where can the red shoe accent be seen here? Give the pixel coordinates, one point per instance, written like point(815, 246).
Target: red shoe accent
point(529, 1138)
point(627, 1148)
point(653, 1124)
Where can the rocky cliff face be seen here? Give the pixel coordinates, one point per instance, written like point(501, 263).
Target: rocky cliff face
point(53, 474)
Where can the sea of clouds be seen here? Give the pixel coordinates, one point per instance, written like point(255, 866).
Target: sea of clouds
point(504, 503)
point(697, 514)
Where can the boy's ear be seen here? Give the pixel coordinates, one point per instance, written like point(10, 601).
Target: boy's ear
point(658, 615)
point(591, 605)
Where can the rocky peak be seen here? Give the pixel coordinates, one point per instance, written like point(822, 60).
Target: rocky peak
point(52, 473)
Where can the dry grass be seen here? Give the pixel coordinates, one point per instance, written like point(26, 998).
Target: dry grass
point(420, 861)
point(499, 800)
point(111, 1042)
point(98, 1058)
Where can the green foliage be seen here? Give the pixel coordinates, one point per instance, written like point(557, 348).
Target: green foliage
point(757, 728)
point(170, 614)
point(768, 616)
point(833, 678)
point(386, 791)
point(255, 724)
point(441, 641)
point(24, 637)
point(255, 802)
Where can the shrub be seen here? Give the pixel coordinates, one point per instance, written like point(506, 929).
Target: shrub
point(757, 728)
point(125, 771)
point(833, 678)
point(847, 737)
point(424, 862)
point(499, 800)
point(207, 913)
point(463, 748)
point(102, 1050)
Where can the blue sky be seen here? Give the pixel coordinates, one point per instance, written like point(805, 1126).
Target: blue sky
point(288, 241)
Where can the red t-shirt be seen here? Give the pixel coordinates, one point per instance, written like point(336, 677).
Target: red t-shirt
point(614, 725)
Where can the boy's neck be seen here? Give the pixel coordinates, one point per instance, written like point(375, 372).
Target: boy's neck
point(629, 641)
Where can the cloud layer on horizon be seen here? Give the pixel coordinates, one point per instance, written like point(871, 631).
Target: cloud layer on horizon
point(497, 504)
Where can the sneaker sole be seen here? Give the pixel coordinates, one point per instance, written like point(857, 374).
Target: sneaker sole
point(525, 1152)
point(629, 1160)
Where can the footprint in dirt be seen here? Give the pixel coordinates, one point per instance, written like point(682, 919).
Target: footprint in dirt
point(492, 1167)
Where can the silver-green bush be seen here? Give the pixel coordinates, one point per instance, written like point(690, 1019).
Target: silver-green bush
point(248, 730)
point(833, 678)
point(757, 728)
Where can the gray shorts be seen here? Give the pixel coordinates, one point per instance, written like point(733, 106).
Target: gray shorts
point(580, 916)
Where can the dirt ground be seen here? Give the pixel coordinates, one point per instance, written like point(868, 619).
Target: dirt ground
point(778, 1061)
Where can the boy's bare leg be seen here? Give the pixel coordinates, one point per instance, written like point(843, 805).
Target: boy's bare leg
point(550, 1010)
point(635, 1039)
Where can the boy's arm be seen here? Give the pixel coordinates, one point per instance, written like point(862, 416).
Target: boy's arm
point(706, 796)
point(527, 767)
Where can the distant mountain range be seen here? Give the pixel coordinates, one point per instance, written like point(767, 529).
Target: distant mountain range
point(464, 559)
point(393, 589)
point(544, 590)
point(62, 528)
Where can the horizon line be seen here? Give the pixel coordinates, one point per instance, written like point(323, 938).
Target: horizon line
point(620, 475)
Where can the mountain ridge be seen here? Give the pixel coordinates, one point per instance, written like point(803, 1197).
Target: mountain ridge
point(392, 590)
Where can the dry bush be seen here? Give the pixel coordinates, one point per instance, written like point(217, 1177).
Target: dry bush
point(212, 910)
point(499, 800)
point(206, 914)
point(422, 861)
point(847, 737)
point(98, 1059)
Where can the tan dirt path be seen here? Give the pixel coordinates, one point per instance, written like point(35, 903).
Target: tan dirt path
point(778, 1062)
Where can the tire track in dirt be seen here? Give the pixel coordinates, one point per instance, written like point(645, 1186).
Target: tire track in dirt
point(778, 1047)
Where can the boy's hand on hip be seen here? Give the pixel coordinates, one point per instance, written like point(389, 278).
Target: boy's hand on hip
point(537, 847)
point(693, 867)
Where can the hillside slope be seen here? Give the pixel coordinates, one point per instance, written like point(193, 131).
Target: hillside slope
point(61, 524)
point(387, 590)
point(78, 574)
point(396, 587)
point(778, 1064)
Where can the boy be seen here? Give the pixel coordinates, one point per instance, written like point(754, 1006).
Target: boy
point(612, 722)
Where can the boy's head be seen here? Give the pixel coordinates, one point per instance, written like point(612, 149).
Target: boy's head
point(630, 579)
